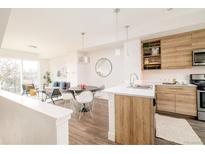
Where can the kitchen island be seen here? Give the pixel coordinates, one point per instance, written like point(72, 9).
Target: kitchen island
point(131, 115)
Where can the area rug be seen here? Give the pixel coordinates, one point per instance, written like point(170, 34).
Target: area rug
point(175, 130)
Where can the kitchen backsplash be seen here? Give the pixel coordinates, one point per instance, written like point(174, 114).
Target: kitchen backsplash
point(181, 75)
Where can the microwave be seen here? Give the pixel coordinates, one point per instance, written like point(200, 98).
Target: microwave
point(199, 57)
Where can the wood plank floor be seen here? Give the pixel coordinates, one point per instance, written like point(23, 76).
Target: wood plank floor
point(94, 131)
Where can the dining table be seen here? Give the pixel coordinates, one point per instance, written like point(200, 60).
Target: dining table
point(78, 89)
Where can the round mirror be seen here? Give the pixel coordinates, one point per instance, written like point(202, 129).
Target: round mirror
point(103, 67)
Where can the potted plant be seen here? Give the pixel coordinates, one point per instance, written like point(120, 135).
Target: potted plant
point(47, 79)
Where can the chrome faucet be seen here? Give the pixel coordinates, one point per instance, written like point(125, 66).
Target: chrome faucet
point(132, 80)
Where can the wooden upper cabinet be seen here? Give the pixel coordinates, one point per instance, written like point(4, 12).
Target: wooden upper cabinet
point(198, 39)
point(176, 51)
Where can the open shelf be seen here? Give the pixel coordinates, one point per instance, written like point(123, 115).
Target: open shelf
point(151, 52)
point(158, 55)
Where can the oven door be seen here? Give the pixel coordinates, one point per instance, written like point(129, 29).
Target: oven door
point(198, 57)
point(201, 100)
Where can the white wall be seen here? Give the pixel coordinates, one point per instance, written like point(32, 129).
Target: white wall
point(18, 54)
point(4, 17)
point(70, 63)
point(122, 64)
point(89, 76)
point(132, 62)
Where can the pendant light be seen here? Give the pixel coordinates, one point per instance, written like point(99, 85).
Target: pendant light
point(85, 58)
point(127, 38)
point(116, 11)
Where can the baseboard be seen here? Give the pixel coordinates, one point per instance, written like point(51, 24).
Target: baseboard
point(176, 115)
point(111, 136)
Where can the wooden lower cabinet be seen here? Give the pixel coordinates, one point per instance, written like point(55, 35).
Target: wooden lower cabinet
point(186, 105)
point(176, 99)
point(134, 120)
point(166, 102)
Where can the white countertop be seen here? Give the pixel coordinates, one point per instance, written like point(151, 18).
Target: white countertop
point(51, 110)
point(124, 89)
point(177, 85)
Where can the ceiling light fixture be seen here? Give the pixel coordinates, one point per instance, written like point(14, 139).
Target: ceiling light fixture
point(169, 9)
point(32, 46)
point(116, 11)
point(127, 38)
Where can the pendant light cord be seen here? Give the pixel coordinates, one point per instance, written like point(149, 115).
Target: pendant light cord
point(127, 33)
point(116, 11)
point(83, 41)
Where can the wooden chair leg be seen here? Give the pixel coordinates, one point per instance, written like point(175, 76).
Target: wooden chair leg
point(52, 100)
point(45, 99)
point(64, 102)
point(92, 105)
point(73, 107)
point(80, 114)
point(91, 114)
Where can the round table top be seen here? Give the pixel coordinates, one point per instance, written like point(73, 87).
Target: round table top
point(89, 88)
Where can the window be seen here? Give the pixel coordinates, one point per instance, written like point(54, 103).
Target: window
point(15, 72)
point(10, 75)
point(30, 72)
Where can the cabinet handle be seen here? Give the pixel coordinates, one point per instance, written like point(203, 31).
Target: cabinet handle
point(154, 102)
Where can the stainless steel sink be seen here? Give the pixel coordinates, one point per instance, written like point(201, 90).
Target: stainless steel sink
point(138, 86)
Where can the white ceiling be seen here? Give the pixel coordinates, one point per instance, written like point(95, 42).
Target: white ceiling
point(56, 32)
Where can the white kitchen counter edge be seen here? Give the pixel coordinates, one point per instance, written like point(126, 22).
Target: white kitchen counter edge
point(124, 90)
point(50, 110)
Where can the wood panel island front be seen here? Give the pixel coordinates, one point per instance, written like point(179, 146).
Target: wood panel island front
point(131, 115)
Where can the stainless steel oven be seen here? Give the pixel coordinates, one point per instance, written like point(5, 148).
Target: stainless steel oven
point(199, 81)
point(201, 104)
point(199, 57)
point(201, 100)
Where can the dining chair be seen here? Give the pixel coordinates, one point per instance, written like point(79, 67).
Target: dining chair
point(52, 93)
point(27, 88)
point(97, 94)
point(67, 97)
point(84, 102)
